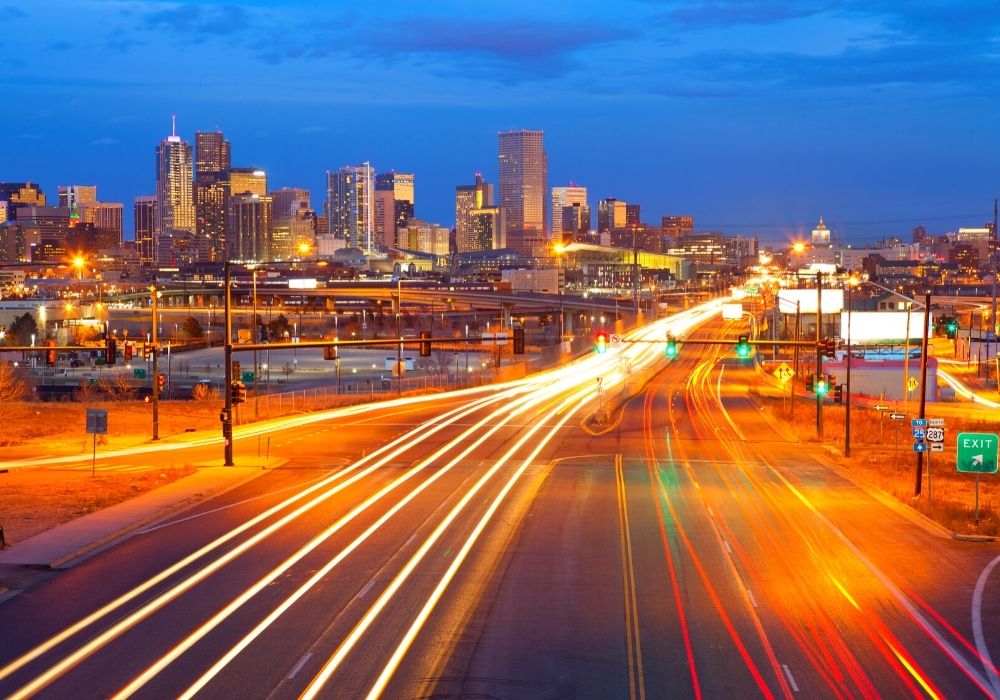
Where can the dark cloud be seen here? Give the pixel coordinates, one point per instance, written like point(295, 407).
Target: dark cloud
point(197, 22)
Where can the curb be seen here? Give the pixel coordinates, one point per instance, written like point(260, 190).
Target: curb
point(122, 533)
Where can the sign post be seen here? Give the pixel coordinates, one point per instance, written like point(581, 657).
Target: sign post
point(976, 453)
point(97, 424)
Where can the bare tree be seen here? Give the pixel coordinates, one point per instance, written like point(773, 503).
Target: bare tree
point(12, 390)
point(118, 386)
point(205, 392)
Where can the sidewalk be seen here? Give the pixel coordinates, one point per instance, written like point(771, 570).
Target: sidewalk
point(61, 545)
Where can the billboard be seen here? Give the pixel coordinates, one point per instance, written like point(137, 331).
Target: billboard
point(882, 326)
point(732, 312)
point(833, 300)
point(302, 283)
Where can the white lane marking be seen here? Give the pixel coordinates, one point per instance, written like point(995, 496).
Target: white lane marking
point(299, 665)
point(753, 601)
point(231, 505)
point(977, 626)
point(791, 681)
point(368, 587)
point(728, 547)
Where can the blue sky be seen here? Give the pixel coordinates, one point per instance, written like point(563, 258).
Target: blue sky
point(756, 117)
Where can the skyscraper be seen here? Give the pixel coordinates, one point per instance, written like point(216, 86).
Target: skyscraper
point(469, 198)
point(249, 228)
point(523, 190)
point(349, 205)
point(145, 214)
point(392, 206)
point(73, 197)
point(211, 152)
point(174, 185)
point(106, 216)
point(675, 226)
point(293, 221)
point(563, 197)
point(211, 161)
point(16, 194)
point(611, 215)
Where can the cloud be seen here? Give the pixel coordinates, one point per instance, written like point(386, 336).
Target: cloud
point(198, 22)
point(9, 12)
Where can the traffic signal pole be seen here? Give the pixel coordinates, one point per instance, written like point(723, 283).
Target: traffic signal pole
point(819, 351)
point(154, 380)
point(227, 412)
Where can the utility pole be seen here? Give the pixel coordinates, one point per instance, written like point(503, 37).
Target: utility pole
point(155, 379)
point(847, 397)
point(227, 413)
point(923, 388)
point(819, 355)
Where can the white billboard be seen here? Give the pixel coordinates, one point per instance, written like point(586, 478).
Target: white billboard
point(882, 326)
point(833, 300)
point(732, 312)
point(302, 283)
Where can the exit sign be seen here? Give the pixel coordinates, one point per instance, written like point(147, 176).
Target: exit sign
point(976, 452)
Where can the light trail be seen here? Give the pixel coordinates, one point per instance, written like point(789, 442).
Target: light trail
point(508, 412)
point(319, 681)
point(962, 390)
point(391, 450)
point(411, 634)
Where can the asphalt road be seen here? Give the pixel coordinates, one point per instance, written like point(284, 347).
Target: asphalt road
point(497, 544)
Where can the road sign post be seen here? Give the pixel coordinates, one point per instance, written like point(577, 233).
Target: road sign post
point(97, 424)
point(976, 453)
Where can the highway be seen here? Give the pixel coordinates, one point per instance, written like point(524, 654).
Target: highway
point(497, 543)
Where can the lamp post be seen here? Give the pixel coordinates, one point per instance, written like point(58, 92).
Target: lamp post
point(851, 283)
point(154, 380)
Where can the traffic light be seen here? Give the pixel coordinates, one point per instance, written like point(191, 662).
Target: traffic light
point(743, 347)
point(127, 351)
point(161, 382)
point(821, 387)
point(51, 355)
point(828, 347)
point(239, 392)
point(329, 352)
point(838, 393)
point(601, 345)
point(110, 351)
point(236, 371)
point(810, 382)
point(518, 340)
point(951, 330)
point(671, 350)
point(425, 343)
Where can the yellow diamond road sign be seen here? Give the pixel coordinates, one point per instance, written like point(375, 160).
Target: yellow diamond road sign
point(784, 372)
point(912, 383)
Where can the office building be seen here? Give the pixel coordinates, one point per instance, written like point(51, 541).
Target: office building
point(174, 190)
point(469, 198)
point(15, 194)
point(144, 212)
point(392, 205)
point(349, 205)
point(675, 226)
point(293, 222)
point(248, 229)
point(212, 152)
point(74, 197)
point(106, 216)
point(821, 235)
point(423, 237)
point(523, 190)
point(612, 215)
point(487, 231)
point(563, 197)
point(575, 224)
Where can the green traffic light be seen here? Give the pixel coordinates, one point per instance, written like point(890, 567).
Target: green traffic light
point(671, 350)
point(821, 388)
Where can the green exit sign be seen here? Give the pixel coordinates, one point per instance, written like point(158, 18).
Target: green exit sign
point(139, 373)
point(976, 452)
point(247, 377)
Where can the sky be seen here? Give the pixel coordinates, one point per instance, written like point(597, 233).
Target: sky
point(755, 117)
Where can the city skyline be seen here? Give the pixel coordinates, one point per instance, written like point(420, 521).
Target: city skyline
point(753, 118)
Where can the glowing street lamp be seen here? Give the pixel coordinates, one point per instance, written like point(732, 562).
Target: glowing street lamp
point(79, 262)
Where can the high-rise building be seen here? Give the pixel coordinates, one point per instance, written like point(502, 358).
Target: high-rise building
point(249, 228)
point(392, 205)
point(612, 214)
point(633, 216)
point(487, 230)
point(919, 234)
point(423, 237)
point(293, 222)
point(15, 194)
point(211, 152)
point(349, 205)
point(675, 226)
point(563, 197)
point(74, 197)
point(106, 216)
point(144, 210)
point(211, 191)
point(469, 198)
point(575, 223)
point(523, 190)
point(174, 189)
